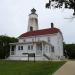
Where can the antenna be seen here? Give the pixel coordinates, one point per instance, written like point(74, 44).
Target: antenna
point(72, 17)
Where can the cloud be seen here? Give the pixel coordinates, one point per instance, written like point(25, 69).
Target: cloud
point(14, 18)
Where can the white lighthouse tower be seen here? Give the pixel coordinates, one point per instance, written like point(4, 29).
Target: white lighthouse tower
point(33, 21)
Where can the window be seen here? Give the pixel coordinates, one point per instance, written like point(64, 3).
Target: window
point(52, 49)
point(32, 40)
point(31, 28)
point(12, 48)
point(29, 47)
point(39, 46)
point(20, 47)
point(24, 40)
point(49, 39)
point(46, 48)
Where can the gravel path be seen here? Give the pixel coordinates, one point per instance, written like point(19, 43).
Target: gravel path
point(66, 69)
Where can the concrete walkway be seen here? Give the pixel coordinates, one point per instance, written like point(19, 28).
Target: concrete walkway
point(66, 69)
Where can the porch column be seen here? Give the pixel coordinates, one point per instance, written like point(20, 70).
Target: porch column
point(42, 49)
point(10, 49)
point(35, 48)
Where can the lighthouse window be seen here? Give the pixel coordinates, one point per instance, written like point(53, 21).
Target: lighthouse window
point(31, 28)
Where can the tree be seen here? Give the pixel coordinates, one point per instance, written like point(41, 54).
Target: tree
point(61, 3)
point(4, 45)
point(69, 50)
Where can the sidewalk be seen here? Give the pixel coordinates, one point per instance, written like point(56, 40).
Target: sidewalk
point(67, 69)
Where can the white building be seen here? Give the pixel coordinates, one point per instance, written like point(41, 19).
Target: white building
point(45, 44)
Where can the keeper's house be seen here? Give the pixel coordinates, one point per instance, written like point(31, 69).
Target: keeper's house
point(46, 44)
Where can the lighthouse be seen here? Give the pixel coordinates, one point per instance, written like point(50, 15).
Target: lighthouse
point(33, 21)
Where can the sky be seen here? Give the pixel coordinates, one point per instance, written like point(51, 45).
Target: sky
point(14, 18)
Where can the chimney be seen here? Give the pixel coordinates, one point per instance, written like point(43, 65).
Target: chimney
point(52, 25)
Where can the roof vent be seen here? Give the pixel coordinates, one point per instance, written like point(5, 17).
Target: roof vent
point(52, 25)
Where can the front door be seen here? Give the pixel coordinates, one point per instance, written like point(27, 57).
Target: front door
point(39, 49)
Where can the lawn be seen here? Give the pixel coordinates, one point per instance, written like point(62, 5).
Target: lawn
point(28, 68)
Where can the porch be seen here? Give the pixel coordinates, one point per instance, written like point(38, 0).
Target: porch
point(39, 49)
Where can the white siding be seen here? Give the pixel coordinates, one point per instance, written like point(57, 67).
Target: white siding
point(56, 40)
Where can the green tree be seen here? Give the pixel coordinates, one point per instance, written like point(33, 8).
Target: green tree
point(60, 3)
point(4, 45)
point(69, 50)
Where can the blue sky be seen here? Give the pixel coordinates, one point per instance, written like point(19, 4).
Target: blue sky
point(14, 18)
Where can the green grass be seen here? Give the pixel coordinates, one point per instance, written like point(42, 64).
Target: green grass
point(28, 68)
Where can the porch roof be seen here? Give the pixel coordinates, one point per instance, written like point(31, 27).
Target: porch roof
point(44, 42)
